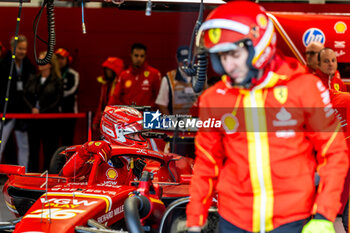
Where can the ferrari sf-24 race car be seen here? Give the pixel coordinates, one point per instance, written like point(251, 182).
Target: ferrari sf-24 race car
point(109, 199)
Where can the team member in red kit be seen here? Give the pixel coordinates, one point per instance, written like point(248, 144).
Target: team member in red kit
point(340, 98)
point(261, 163)
point(139, 84)
point(112, 68)
point(327, 70)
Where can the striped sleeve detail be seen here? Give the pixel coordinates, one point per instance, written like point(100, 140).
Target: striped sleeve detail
point(330, 141)
point(209, 156)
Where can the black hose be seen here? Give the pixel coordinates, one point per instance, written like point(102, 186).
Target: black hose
point(195, 31)
point(135, 208)
point(198, 82)
point(51, 32)
point(198, 71)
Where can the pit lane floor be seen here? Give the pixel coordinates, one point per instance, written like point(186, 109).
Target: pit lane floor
point(5, 214)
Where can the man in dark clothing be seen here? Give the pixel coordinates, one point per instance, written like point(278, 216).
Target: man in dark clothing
point(176, 95)
point(69, 103)
point(23, 68)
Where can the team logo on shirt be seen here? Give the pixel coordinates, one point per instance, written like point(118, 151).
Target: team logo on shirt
point(281, 94)
point(336, 86)
point(214, 35)
point(146, 73)
point(284, 118)
point(145, 82)
point(230, 123)
point(128, 83)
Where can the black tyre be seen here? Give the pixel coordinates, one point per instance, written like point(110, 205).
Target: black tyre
point(178, 224)
point(57, 161)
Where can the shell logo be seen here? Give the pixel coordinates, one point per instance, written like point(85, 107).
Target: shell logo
point(340, 27)
point(214, 35)
point(128, 83)
point(230, 123)
point(111, 174)
point(261, 20)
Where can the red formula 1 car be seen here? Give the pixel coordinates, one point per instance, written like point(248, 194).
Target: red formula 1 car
point(109, 199)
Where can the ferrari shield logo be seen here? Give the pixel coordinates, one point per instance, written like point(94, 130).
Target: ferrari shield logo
point(281, 94)
point(261, 20)
point(146, 73)
point(214, 35)
point(336, 86)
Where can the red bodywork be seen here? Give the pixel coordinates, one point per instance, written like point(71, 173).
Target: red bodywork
point(69, 202)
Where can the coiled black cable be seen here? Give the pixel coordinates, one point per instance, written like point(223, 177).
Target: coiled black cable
point(51, 32)
point(198, 81)
point(198, 71)
point(11, 72)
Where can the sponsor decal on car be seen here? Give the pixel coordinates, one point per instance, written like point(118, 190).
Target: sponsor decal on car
point(54, 213)
point(111, 214)
point(105, 198)
point(65, 203)
point(111, 174)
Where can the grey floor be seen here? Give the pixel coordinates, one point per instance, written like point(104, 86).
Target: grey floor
point(6, 215)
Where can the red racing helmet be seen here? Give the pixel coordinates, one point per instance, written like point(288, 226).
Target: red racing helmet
point(239, 23)
point(123, 126)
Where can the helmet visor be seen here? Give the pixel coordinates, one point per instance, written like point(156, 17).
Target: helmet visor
point(132, 131)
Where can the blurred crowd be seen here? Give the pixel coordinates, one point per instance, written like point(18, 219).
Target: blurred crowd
point(53, 88)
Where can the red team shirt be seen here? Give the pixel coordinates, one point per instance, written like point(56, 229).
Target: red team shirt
point(334, 83)
point(137, 86)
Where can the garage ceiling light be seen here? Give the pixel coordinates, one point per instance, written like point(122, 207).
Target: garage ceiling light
point(181, 1)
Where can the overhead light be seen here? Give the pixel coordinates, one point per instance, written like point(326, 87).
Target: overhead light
point(181, 1)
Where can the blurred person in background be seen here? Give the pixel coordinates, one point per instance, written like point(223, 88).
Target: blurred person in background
point(176, 95)
point(43, 94)
point(69, 103)
point(112, 67)
point(139, 84)
point(327, 70)
point(311, 54)
point(22, 70)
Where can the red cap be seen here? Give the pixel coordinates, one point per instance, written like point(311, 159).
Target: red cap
point(114, 63)
point(64, 53)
